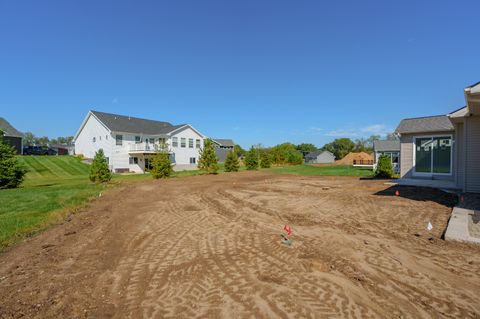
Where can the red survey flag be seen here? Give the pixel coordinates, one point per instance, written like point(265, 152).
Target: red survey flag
point(287, 229)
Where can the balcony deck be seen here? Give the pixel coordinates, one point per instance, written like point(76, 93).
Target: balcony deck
point(144, 148)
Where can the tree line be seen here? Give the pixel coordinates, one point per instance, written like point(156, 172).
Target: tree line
point(340, 147)
point(29, 139)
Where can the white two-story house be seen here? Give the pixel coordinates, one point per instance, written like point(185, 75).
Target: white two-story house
point(129, 142)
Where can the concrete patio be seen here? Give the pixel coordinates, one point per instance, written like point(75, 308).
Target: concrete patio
point(464, 224)
point(426, 183)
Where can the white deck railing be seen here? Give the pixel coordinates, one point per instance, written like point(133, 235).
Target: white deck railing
point(144, 147)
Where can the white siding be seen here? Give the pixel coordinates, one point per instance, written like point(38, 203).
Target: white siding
point(93, 129)
point(182, 155)
point(472, 143)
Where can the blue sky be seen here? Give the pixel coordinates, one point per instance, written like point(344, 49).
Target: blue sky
point(255, 71)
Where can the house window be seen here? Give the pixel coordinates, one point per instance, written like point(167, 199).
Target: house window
point(107, 159)
point(183, 142)
point(94, 139)
point(106, 137)
point(99, 138)
point(174, 141)
point(433, 155)
point(119, 139)
point(138, 139)
point(133, 160)
point(192, 160)
point(161, 141)
point(197, 143)
point(152, 140)
point(190, 143)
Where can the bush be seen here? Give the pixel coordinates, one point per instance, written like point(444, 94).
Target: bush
point(99, 171)
point(232, 164)
point(265, 159)
point(286, 153)
point(12, 172)
point(161, 165)
point(384, 167)
point(295, 158)
point(251, 159)
point(208, 161)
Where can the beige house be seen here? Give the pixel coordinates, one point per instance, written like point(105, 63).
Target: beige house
point(443, 150)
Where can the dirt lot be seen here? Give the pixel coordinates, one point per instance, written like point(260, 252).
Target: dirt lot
point(210, 246)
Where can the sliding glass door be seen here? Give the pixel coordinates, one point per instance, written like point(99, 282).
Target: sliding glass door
point(433, 155)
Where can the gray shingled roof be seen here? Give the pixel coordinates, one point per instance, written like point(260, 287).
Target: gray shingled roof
point(425, 124)
point(121, 123)
point(315, 154)
point(224, 142)
point(8, 129)
point(388, 145)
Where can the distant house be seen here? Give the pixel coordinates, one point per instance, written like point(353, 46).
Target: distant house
point(391, 148)
point(443, 150)
point(129, 142)
point(320, 157)
point(11, 136)
point(222, 147)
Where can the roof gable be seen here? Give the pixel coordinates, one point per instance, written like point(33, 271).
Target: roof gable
point(224, 142)
point(439, 123)
point(8, 129)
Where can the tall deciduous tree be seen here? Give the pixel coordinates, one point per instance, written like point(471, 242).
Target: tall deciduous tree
point(99, 171)
point(340, 147)
point(208, 161)
point(306, 148)
point(12, 172)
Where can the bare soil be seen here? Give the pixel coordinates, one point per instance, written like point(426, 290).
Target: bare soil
point(210, 246)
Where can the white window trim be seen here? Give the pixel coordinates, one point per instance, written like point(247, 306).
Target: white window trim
point(423, 174)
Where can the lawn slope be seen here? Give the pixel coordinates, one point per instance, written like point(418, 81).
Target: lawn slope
point(53, 185)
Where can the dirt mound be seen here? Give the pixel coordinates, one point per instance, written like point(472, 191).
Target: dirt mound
point(352, 157)
point(210, 246)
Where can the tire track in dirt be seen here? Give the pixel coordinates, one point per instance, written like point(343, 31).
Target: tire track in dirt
point(209, 246)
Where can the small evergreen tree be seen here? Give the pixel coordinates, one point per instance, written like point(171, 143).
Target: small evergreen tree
point(12, 172)
point(265, 159)
point(99, 171)
point(208, 161)
point(161, 165)
point(251, 159)
point(384, 167)
point(232, 164)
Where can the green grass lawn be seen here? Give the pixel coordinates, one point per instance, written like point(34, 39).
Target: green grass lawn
point(53, 185)
point(337, 170)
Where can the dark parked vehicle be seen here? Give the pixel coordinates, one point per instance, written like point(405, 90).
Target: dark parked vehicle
point(38, 150)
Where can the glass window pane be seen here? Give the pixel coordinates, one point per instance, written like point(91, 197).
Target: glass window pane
point(442, 148)
point(423, 155)
point(395, 157)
